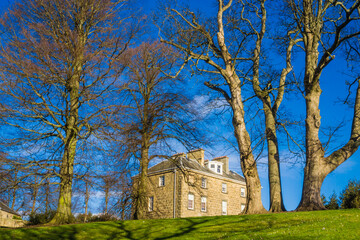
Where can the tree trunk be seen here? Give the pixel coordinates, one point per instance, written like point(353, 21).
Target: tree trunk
point(107, 190)
point(248, 164)
point(63, 214)
point(14, 191)
point(314, 172)
point(141, 197)
point(47, 193)
point(87, 197)
point(314, 176)
point(276, 199)
point(34, 195)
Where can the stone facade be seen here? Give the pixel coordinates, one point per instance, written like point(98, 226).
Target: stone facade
point(9, 218)
point(187, 187)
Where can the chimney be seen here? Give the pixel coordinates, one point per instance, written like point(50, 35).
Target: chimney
point(178, 155)
point(198, 155)
point(225, 161)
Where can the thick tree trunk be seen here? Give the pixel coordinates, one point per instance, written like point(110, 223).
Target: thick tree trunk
point(141, 196)
point(314, 176)
point(314, 172)
point(276, 199)
point(63, 214)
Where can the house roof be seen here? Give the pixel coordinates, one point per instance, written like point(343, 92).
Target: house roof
point(185, 163)
point(5, 208)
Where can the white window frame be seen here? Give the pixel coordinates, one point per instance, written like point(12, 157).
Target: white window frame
point(151, 204)
point(242, 192)
point(224, 188)
point(191, 199)
point(162, 181)
point(203, 182)
point(219, 169)
point(203, 208)
point(224, 207)
point(242, 207)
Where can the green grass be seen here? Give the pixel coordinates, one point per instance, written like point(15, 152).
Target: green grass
point(335, 224)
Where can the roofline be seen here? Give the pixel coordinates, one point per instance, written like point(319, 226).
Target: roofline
point(13, 211)
point(218, 176)
point(150, 168)
point(194, 170)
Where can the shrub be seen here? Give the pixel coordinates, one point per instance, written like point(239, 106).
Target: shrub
point(102, 218)
point(17, 217)
point(40, 218)
point(333, 202)
point(350, 196)
point(80, 218)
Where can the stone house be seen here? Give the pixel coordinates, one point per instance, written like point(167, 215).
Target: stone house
point(189, 186)
point(8, 217)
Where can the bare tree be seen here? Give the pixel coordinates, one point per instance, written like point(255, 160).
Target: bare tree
point(57, 67)
point(324, 26)
point(158, 114)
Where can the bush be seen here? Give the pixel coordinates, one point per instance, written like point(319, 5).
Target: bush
point(333, 202)
point(17, 217)
point(80, 218)
point(350, 196)
point(102, 218)
point(40, 218)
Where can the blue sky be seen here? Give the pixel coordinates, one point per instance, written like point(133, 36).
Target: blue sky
point(332, 113)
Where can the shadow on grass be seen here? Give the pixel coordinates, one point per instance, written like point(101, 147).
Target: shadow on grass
point(39, 233)
point(157, 230)
point(154, 229)
point(275, 226)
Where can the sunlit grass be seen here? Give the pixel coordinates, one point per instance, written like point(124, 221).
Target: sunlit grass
point(335, 224)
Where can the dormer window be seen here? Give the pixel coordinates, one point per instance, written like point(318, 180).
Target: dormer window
point(216, 167)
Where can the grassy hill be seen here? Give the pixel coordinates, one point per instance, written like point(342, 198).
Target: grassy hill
point(335, 224)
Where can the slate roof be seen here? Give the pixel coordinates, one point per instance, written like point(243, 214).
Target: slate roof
point(185, 163)
point(5, 208)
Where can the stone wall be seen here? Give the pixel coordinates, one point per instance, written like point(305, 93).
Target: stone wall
point(213, 193)
point(163, 195)
point(7, 220)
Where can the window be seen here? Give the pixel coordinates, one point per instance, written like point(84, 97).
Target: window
point(212, 166)
point(224, 188)
point(242, 207)
point(191, 201)
point(203, 204)
point(203, 182)
point(162, 181)
point(151, 204)
point(224, 208)
point(218, 170)
point(242, 193)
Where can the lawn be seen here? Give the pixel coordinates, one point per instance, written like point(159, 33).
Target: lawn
point(332, 224)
